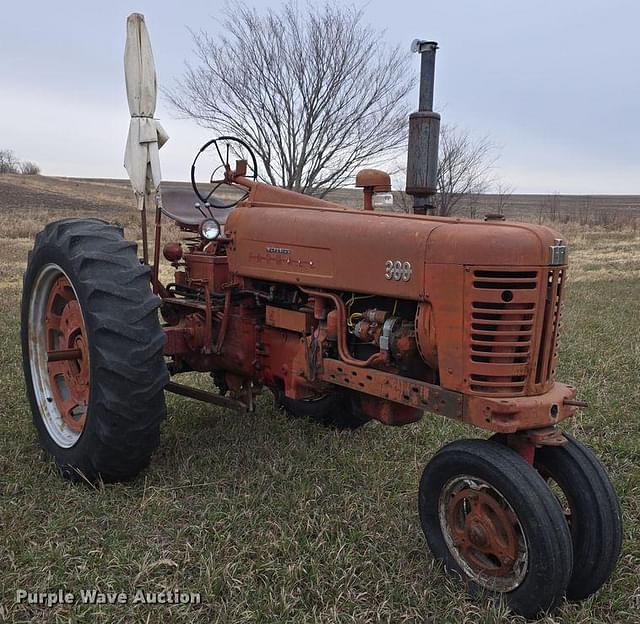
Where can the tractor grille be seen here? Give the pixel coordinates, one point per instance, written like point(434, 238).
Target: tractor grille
point(548, 352)
point(512, 330)
point(501, 330)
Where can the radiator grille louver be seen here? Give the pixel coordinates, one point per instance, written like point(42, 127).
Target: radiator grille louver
point(545, 368)
point(508, 349)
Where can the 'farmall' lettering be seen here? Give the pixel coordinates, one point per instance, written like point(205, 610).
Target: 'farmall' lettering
point(278, 250)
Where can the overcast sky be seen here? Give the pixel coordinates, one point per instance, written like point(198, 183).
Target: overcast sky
point(556, 83)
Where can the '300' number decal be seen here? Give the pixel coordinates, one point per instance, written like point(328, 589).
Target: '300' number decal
point(397, 270)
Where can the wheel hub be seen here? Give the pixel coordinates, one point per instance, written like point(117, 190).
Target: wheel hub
point(483, 533)
point(60, 355)
point(69, 378)
point(477, 535)
point(76, 371)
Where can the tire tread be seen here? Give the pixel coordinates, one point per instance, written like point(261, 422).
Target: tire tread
point(127, 364)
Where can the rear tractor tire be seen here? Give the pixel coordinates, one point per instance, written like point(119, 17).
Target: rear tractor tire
point(492, 520)
point(92, 351)
point(336, 410)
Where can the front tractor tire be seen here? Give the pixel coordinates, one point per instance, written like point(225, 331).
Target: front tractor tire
point(593, 512)
point(491, 519)
point(590, 506)
point(92, 351)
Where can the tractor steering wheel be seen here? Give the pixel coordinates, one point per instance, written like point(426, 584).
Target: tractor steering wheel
point(217, 156)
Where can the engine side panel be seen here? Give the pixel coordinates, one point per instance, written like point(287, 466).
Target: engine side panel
point(334, 249)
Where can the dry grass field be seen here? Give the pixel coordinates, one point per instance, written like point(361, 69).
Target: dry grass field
point(279, 520)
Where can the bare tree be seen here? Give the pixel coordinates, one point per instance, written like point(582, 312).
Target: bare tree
point(553, 202)
point(27, 167)
point(472, 201)
point(464, 169)
point(8, 162)
point(313, 91)
point(585, 213)
point(503, 195)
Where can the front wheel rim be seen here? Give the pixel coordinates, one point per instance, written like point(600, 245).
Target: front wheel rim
point(58, 355)
point(483, 533)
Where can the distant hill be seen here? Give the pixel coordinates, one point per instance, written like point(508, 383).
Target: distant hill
point(115, 194)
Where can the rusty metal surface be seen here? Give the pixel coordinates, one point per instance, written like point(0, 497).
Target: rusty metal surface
point(488, 413)
point(510, 414)
point(172, 252)
point(224, 322)
point(511, 321)
point(288, 319)
point(474, 306)
point(63, 354)
point(203, 395)
point(178, 339)
point(384, 385)
point(207, 268)
point(184, 303)
point(488, 332)
point(342, 328)
point(422, 158)
point(424, 134)
point(554, 280)
point(483, 530)
point(376, 180)
point(575, 403)
point(389, 412)
point(67, 354)
point(523, 446)
point(145, 236)
point(545, 436)
point(157, 234)
point(526, 441)
point(330, 248)
point(324, 245)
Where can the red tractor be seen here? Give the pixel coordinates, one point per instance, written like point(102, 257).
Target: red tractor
point(347, 316)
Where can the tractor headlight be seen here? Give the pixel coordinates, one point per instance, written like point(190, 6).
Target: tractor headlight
point(210, 229)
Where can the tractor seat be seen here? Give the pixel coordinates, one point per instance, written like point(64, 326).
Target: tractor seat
point(178, 203)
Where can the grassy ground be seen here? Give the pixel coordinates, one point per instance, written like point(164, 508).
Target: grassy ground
point(275, 520)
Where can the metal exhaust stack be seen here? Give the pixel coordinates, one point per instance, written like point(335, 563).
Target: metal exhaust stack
point(424, 134)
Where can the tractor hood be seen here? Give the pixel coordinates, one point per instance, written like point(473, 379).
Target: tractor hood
point(388, 254)
point(504, 243)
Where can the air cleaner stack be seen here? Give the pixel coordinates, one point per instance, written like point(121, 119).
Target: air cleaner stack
point(424, 132)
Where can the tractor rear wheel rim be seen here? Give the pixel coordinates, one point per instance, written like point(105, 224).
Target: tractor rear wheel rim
point(483, 533)
point(59, 355)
